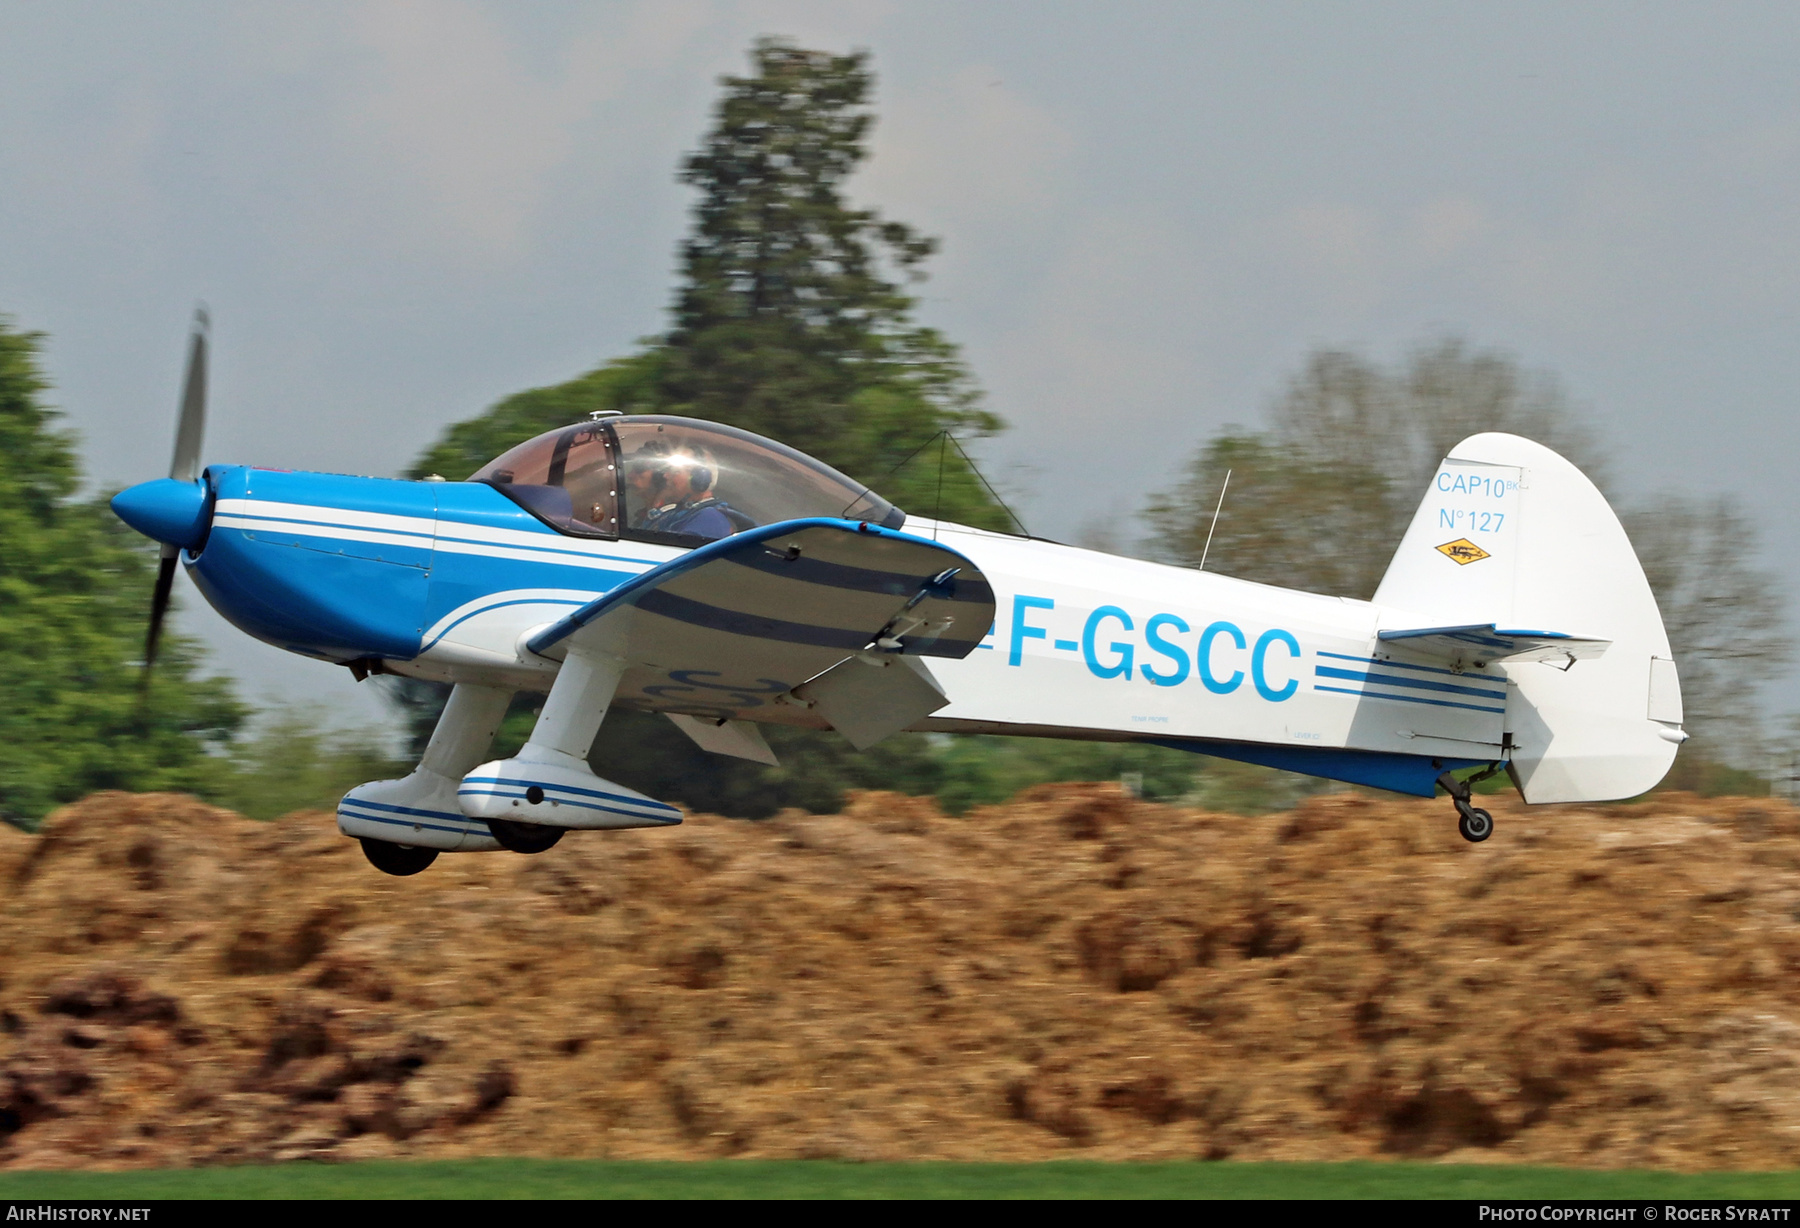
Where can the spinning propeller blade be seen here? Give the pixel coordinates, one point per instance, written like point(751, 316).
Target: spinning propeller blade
point(159, 605)
point(184, 466)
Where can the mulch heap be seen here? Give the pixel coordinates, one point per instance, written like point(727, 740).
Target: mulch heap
point(1072, 974)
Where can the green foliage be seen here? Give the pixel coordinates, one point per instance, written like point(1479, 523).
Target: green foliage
point(295, 761)
point(38, 473)
point(75, 589)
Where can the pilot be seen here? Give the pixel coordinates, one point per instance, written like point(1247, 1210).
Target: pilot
point(672, 492)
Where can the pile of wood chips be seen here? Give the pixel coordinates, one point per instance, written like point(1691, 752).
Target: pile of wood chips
point(1072, 974)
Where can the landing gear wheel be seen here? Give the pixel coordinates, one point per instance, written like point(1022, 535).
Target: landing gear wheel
point(524, 837)
point(1475, 825)
point(400, 860)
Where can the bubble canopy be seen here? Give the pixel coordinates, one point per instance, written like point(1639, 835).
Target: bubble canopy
point(678, 481)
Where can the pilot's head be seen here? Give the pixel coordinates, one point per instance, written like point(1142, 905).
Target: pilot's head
point(661, 473)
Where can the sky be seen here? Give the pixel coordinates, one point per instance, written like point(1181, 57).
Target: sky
point(400, 212)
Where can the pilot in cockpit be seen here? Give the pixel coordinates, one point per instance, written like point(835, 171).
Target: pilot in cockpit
point(671, 490)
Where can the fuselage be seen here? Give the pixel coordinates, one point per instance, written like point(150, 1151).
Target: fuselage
point(448, 580)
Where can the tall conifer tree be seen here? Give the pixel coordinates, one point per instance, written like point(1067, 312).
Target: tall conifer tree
point(789, 313)
point(791, 317)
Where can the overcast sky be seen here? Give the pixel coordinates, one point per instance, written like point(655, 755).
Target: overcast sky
point(400, 212)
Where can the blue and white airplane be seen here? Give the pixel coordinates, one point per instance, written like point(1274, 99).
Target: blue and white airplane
point(693, 569)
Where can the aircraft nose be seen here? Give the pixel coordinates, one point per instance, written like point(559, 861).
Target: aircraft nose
point(165, 510)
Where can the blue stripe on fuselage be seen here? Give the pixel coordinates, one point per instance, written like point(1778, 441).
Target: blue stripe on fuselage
point(360, 567)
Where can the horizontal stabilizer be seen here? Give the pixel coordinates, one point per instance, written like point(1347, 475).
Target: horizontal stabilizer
point(1484, 644)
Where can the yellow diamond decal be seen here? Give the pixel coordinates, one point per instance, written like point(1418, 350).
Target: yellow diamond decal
point(1462, 551)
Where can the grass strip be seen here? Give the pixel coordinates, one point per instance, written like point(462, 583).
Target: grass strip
point(624, 1179)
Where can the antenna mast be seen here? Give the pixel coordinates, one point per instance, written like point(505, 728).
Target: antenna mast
point(1223, 487)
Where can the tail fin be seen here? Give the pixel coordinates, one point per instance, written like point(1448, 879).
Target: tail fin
point(1515, 544)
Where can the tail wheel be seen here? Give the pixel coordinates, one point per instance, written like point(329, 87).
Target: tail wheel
point(1475, 825)
point(524, 837)
point(400, 860)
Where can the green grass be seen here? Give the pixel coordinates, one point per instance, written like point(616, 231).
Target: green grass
point(833, 1179)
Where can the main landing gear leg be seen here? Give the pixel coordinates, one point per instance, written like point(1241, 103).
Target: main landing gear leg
point(548, 785)
point(1475, 825)
point(404, 824)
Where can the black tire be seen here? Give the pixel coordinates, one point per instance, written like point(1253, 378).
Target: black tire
point(400, 860)
point(524, 837)
point(1475, 826)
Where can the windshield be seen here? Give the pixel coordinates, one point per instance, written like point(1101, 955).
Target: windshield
point(684, 481)
point(568, 478)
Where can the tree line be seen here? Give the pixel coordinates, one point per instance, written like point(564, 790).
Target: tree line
point(793, 316)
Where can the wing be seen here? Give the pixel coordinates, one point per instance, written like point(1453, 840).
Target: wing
point(729, 630)
point(1485, 644)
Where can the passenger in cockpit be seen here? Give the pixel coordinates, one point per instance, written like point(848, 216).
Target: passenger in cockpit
point(672, 491)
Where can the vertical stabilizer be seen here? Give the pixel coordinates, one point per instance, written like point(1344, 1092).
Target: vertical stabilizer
point(1511, 534)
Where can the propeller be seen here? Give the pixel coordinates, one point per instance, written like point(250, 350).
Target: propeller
point(184, 466)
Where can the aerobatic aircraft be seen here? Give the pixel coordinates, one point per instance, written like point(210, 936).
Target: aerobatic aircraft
point(727, 581)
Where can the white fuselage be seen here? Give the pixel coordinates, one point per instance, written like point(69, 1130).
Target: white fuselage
point(1091, 644)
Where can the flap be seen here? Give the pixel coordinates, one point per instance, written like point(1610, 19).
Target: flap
point(871, 695)
point(724, 736)
point(731, 625)
point(1485, 644)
